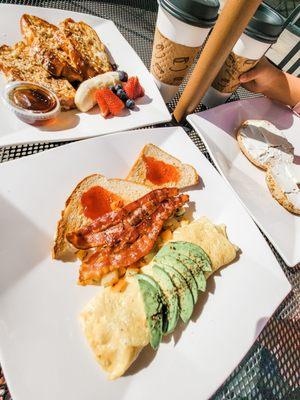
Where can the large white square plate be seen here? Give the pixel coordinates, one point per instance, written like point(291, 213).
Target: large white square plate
point(42, 349)
point(73, 124)
point(217, 127)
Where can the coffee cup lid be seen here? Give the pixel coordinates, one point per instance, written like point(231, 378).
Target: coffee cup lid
point(201, 13)
point(266, 25)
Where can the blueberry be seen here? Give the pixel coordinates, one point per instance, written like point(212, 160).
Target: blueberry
point(123, 76)
point(122, 94)
point(112, 88)
point(130, 103)
point(118, 87)
point(114, 67)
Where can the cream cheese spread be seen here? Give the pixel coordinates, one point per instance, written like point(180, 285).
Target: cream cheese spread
point(265, 143)
point(287, 178)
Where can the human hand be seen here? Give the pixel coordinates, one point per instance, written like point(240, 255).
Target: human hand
point(265, 78)
point(261, 78)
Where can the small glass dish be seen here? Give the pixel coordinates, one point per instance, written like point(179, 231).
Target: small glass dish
point(30, 102)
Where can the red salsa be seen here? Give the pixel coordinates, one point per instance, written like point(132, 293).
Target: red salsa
point(98, 201)
point(158, 172)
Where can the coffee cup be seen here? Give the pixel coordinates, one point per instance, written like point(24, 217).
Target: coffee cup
point(181, 28)
point(262, 31)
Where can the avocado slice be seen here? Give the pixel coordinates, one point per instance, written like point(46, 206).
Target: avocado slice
point(195, 270)
point(171, 298)
point(153, 304)
point(185, 272)
point(185, 296)
point(190, 250)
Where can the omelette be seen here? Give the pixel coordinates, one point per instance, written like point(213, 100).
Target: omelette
point(118, 325)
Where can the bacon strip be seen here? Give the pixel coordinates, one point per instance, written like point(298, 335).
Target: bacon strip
point(114, 217)
point(104, 231)
point(115, 233)
point(149, 231)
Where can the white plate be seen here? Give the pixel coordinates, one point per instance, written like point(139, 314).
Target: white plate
point(74, 124)
point(217, 128)
point(43, 351)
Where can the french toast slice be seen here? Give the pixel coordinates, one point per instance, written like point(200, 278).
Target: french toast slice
point(84, 48)
point(42, 37)
point(17, 64)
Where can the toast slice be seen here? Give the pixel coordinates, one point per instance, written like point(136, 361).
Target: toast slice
point(73, 217)
point(17, 64)
point(84, 48)
point(41, 36)
point(156, 168)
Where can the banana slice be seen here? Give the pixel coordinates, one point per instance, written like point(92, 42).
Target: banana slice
point(85, 94)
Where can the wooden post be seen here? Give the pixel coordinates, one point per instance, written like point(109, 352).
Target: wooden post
point(231, 23)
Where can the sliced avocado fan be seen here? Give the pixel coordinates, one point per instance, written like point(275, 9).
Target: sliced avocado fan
point(185, 296)
point(190, 250)
point(171, 298)
point(153, 303)
point(171, 288)
point(183, 270)
point(197, 272)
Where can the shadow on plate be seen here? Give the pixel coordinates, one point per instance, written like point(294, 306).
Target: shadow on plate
point(143, 360)
point(95, 111)
point(23, 245)
point(144, 100)
point(297, 159)
point(230, 116)
point(66, 120)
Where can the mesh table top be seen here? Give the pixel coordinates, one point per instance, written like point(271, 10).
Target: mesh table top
point(271, 368)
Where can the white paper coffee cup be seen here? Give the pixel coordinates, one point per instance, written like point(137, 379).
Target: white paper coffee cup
point(175, 46)
point(244, 56)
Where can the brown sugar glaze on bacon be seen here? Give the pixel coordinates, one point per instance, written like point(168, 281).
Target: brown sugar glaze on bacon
point(109, 228)
point(136, 245)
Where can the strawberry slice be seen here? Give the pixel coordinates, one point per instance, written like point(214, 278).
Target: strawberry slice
point(133, 88)
point(104, 110)
point(113, 104)
point(129, 87)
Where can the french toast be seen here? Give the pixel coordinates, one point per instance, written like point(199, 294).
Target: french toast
point(45, 48)
point(84, 48)
point(17, 64)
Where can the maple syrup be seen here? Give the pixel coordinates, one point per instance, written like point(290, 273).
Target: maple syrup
point(33, 98)
point(31, 102)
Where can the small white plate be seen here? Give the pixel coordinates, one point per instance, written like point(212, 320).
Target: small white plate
point(73, 125)
point(42, 348)
point(217, 128)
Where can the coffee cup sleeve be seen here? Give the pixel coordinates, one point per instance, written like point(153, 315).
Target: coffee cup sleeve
point(171, 61)
point(228, 78)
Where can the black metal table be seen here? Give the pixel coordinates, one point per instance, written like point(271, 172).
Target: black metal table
point(271, 368)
